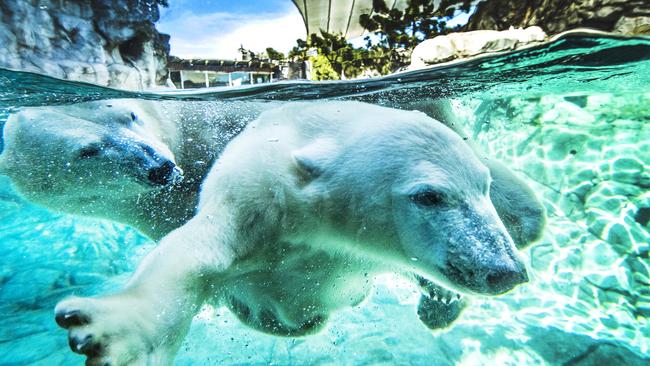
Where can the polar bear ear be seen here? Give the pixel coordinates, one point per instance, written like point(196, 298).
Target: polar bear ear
point(313, 159)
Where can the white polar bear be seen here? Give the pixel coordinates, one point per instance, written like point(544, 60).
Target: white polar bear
point(521, 212)
point(296, 212)
point(68, 170)
point(118, 159)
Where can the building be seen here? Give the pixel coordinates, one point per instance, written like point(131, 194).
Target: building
point(203, 73)
point(247, 69)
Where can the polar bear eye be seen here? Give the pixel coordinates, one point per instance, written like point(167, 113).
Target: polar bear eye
point(134, 117)
point(428, 198)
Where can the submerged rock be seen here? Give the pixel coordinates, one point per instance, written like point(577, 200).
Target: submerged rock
point(589, 155)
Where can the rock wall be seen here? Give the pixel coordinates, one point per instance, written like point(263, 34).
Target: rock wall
point(112, 43)
point(555, 16)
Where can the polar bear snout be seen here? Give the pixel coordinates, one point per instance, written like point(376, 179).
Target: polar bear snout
point(157, 170)
point(165, 174)
point(150, 166)
point(481, 256)
point(489, 279)
point(505, 277)
point(486, 266)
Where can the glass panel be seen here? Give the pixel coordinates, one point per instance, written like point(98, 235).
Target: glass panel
point(218, 79)
point(194, 79)
point(241, 78)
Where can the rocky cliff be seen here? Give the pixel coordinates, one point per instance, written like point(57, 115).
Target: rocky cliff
point(113, 43)
point(555, 16)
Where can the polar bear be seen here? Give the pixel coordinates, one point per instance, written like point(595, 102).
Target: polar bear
point(118, 159)
point(517, 206)
point(132, 161)
point(132, 175)
point(299, 209)
point(522, 214)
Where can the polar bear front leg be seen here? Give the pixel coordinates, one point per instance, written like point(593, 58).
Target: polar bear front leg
point(146, 323)
point(521, 212)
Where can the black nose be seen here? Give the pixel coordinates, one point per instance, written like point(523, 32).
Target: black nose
point(167, 173)
point(500, 280)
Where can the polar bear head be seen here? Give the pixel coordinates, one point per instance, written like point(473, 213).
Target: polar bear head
point(405, 187)
point(69, 157)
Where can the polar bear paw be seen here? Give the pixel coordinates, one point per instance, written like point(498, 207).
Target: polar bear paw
point(118, 330)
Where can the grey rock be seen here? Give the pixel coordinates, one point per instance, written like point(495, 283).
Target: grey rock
point(558, 347)
point(556, 16)
point(633, 25)
point(466, 44)
point(85, 40)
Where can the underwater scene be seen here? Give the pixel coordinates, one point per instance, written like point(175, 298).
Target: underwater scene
point(570, 118)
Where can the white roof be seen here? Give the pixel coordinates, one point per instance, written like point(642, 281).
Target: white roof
point(338, 16)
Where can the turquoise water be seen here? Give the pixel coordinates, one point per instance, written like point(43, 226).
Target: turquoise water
point(572, 118)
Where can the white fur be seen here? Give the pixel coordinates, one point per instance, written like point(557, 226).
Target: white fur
point(304, 204)
point(42, 147)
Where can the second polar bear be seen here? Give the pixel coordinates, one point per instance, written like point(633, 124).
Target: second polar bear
point(298, 210)
point(132, 161)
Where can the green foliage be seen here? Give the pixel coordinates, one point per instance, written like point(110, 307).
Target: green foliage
point(322, 69)
point(399, 32)
point(419, 21)
point(274, 54)
point(342, 58)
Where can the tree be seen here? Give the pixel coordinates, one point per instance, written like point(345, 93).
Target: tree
point(322, 69)
point(400, 31)
point(274, 55)
point(342, 58)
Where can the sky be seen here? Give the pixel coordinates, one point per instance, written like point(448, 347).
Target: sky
point(216, 28)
